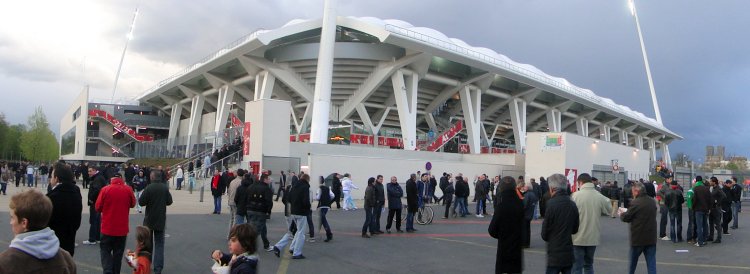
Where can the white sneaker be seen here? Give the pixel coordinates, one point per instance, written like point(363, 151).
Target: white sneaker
point(480, 216)
point(666, 238)
point(312, 240)
point(86, 242)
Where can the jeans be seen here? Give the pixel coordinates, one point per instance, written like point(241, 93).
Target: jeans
point(558, 270)
point(701, 226)
point(461, 205)
point(664, 212)
point(584, 259)
point(391, 213)
point(111, 250)
point(258, 219)
point(409, 220)
point(137, 199)
point(735, 211)
point(376, 215)
point(158, 251)
point(299, 237)
point(368, 220)
point(240, 219)
point(324, 222)
point(649, 252)
point(691, 226)
point(715, 224)
point(310, 225)
point(447, 207)
point(95, 220)
point(217, 204)
point(29, 180)
point(232, 216)
point(179, 183)
point(526, 233)
point(480, 202)
point(675, 223)
point(4, 187)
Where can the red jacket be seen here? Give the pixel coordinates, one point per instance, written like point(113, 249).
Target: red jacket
point(114, 203)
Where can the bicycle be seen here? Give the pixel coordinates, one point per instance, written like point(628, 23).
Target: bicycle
point(423, 216)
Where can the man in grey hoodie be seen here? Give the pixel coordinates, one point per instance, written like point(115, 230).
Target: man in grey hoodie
point(35, 248)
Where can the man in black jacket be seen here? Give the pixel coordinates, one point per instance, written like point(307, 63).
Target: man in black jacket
point(715, 214)
point(66, 206)
point(736, 202)
point(642, 218)
point(560, 223)
point(156, 198)
point(259, 204)
point(412, 202)
point(336, 188)
point(95, 218)
point(299, 198)
point(380, 200)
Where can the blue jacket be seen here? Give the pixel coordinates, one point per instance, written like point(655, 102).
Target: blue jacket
point(395, 192)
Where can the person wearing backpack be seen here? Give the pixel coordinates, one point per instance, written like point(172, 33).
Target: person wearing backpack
point(673, 200)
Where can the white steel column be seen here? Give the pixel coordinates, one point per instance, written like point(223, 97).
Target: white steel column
point(471, 102)
point(223, 104)
point(196, 113)
point(652, 149)
point(554, 120)
point(639, 141)
point(605, 133)
point(518, 119)
point(174, 124)
point(582, 125)
point(324, 77)
point(406, 103)
point(624, 137)
point(665, 155)
point(264, 83)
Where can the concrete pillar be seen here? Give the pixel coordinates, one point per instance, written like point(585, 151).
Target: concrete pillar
point(639, 141)
point(264, 84)
point(223, 104)
point(518, 119)
point(582, 125)
point(554, 120)
point(471, 102)
point(322, 97)
point(665, 155)
point(174, 124)
point(652, 149)
point(624, 137)
point(406, 103)
point(605, 133)
point(196, 113)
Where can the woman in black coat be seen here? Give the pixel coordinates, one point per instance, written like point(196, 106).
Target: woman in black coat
point(66, 206)
point(507, 227)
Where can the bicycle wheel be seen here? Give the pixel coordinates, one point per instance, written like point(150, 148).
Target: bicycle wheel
point(421, 216)
point(429, 214)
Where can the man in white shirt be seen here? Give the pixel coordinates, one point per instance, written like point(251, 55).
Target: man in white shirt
point(29, 175)
point(347, 189)
point(179, 176)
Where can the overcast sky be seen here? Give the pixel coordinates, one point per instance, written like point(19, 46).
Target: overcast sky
point(697, 49)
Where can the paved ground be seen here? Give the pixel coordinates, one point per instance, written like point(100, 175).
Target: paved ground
point(446, 246)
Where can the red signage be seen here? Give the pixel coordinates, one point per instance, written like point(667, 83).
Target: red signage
point(119, 126)
point(236, 122)
point(446, 136)
point(246, 139)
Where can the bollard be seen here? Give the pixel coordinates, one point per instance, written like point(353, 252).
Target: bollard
point(202, 189)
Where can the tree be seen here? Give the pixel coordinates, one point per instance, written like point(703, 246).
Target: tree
point(681, 159)
point(10, 136)
point(39, 143)
point(732, 166)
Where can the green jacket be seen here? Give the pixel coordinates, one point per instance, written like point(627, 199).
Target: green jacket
point(689, 195)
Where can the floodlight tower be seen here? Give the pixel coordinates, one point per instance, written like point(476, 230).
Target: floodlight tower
point(122, 57)
point(631, 4)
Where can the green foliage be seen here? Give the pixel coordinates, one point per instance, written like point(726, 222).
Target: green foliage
point(39, 144)
point(732, 166)
point(10, 136)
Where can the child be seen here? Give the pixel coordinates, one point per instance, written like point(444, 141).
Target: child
point(140, 260)
point(242, 246)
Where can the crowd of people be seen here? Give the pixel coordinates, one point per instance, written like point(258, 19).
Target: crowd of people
point(571, 213)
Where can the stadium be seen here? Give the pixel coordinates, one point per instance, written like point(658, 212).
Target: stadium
point(392, 97)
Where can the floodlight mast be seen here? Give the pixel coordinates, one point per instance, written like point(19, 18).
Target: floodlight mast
point(122, 57)
point(631, 5)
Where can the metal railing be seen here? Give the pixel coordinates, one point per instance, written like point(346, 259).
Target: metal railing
point(518, 69)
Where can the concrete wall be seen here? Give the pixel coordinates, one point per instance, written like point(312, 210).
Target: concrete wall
point(365, 162)
point(580, 153)
point(269, 129)
point(67, 123)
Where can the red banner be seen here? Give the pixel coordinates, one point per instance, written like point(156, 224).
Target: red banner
point(236, 122)
point(446, 136)
point(246, 139)
point(119, 126)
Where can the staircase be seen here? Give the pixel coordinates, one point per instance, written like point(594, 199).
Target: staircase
point(446, 136)
point(98, 113)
